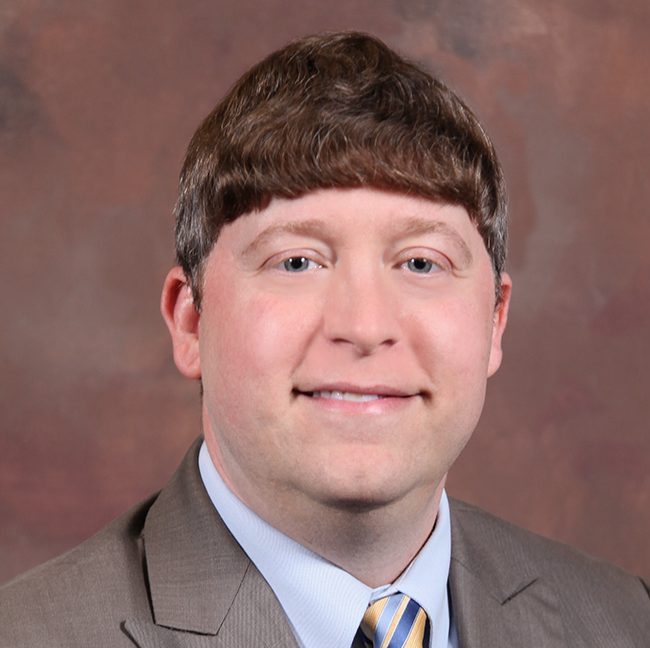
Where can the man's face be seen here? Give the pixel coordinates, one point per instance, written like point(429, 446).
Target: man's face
point(345, 339)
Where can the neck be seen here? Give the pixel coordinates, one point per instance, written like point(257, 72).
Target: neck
point(374, 546)
point(373, 543)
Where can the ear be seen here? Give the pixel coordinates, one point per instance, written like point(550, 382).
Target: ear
point(499, 323)
point(182, 319)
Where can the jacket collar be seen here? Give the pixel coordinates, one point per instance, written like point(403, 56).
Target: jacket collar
point(204, 589)
point(491, 551)
point(498, 596)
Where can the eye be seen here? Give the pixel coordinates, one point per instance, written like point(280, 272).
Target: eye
point(299, 264)
point(420, 265)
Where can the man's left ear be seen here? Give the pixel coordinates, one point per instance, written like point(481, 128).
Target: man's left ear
point(182, 319)
point(499, 323)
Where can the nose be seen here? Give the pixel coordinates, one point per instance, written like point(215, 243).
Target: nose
point(361, 311)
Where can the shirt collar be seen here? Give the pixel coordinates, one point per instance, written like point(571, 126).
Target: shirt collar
point(323, 602)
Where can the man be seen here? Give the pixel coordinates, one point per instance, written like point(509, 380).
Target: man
point(341, 297)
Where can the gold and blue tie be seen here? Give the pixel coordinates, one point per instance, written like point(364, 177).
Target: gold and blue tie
point(395, 621)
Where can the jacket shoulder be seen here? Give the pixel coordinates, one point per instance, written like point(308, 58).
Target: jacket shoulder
point(551, 557)
point(591, 593)
point(81, 593)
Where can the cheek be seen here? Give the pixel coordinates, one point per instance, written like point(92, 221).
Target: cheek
point(452, 339)
point(253, 340)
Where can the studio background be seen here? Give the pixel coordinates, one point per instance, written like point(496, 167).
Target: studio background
point(98, 101)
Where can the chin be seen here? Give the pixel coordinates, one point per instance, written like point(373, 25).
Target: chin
point(359, 503)
point(363, 493)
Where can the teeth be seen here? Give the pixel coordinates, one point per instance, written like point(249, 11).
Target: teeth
point(347, 396)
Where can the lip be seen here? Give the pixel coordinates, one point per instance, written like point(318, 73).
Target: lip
point(385, 391)
point(392, 399)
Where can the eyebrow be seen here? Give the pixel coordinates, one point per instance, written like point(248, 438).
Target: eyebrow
point(310, 227)
point(415, 226)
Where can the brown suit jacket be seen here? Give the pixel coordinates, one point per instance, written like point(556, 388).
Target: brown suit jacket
point(168, 574)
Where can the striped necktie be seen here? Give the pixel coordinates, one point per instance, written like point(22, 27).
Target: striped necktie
point(395, 622)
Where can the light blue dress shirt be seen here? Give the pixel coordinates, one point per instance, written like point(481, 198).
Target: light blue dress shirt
point(324, 603)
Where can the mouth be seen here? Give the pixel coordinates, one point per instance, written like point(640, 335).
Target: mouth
point(346, 396)
point(354, 394)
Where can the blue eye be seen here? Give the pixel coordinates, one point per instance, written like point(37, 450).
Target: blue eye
point(420, 265)
point(298, 264)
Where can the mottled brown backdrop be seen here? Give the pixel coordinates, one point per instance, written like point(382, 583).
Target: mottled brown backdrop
point(97, 102)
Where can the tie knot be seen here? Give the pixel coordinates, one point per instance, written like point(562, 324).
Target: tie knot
point(395, 621)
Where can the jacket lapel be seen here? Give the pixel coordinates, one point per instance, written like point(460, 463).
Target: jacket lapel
point(498, 599)
point(205, 592)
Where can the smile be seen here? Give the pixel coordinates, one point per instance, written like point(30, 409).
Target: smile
point(353, 400)
point(347, 396)
point(359, 394)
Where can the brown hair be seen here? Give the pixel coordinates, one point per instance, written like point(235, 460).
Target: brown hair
point(335, 110)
